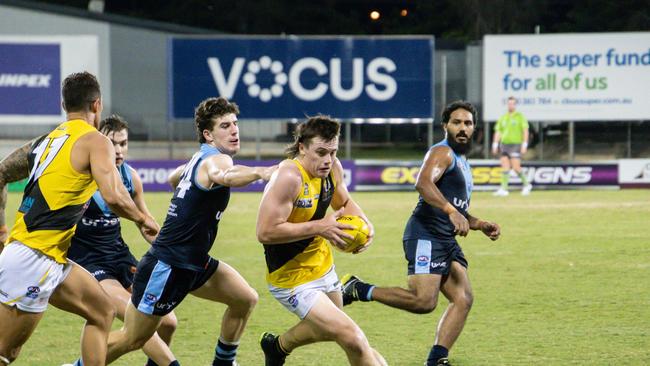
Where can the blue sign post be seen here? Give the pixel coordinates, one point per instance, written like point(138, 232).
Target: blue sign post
point(292, 77)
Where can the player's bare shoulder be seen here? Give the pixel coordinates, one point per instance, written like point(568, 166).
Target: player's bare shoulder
point(440, 154)
point(87, 148)
point(287, 176)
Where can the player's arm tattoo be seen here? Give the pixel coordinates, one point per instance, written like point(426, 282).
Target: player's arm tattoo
point(13, 168)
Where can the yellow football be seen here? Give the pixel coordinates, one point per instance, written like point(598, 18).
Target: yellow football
point(359, 233)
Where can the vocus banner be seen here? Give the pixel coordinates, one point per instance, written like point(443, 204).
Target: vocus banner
point(294, 77)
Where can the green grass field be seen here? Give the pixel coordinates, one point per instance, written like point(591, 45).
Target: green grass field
point(567, 284)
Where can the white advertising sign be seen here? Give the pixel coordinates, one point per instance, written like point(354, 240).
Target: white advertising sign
point(32, 69)
point(634, 172)
point(568, 77)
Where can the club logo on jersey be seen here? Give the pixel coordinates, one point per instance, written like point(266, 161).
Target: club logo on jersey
point(303, 203)
point(327, 185)
point(305, 192)
point(32, 292)
point(423, 261)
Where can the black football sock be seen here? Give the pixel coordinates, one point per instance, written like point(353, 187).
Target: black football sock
point(437, 352)
point(364, 290)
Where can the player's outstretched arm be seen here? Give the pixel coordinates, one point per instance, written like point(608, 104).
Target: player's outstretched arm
point(436, 162)
point(222, 171)
point(13, 167)
point(276, 205)
point(138, 198)
point(490, 229)
point(102, 167)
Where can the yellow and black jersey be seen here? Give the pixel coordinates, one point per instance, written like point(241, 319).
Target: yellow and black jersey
point(292, 264)
point(56, 194)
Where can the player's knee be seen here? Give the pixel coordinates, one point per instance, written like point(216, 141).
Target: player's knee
point(102, 316)
point(352, 340)
point(168, 325)
point(465, 301)
point(424, 305)
point(249, 300)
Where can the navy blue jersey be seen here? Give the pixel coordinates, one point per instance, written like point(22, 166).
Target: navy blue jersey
point(192, 218)
point(455, 184)
point(98, 236)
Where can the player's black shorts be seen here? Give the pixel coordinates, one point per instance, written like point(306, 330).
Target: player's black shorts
point(432, 256)
point(121, 270)
point(159, 287)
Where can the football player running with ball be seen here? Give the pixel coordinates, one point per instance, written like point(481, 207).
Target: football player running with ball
point(435, 260)
point(294, 229)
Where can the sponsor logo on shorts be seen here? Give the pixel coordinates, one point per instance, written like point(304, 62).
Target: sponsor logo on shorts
point(423, 261)
point(4, 294)
point(293, 301)
point(166, 306)
point(438, 265)
point(150, 299)
point(32, 292)
point(99, 272)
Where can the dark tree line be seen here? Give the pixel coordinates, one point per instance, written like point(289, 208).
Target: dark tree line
point(457, 20)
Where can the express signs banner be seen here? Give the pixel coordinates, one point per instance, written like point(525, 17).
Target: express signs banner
point(31, 71)
point(387, 175)
point(568, 77)
point(291, 77)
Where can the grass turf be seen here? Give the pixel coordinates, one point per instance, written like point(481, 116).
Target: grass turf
point(566, 284)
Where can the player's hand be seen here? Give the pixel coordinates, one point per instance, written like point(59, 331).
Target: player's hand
point(461, 225)
point(490, 229)
point(332, 230)
point(149, 227)
point(371, 236)
point(4, 234)
point(267, 172)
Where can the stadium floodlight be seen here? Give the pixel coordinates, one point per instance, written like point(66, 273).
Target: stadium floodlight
point(96, 6)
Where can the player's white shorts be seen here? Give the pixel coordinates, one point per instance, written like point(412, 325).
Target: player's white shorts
point(28, 277)
point(299, 300)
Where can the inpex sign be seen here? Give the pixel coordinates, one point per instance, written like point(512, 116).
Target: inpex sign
point(292, 77)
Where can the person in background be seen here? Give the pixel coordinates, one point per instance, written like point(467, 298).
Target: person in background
point(511, 140)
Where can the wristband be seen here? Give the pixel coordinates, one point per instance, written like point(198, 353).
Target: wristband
point(524, 145)
point(495, 145)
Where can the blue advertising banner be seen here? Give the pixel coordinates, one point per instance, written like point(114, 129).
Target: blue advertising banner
point(30, 79)
point(291, 77)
